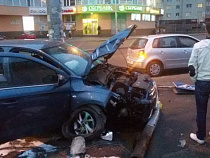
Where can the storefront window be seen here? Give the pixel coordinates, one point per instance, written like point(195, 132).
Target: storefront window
point(146, 17)
point(152, 17)
point(90, 26)
point(136, 17)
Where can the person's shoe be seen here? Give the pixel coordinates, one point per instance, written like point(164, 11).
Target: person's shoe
point(194, 137)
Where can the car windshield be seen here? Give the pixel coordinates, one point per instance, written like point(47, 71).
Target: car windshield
point(139, 43)
point(75, 59)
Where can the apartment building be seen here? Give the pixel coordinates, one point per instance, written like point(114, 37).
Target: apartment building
point(83, 17)
point(183, 16)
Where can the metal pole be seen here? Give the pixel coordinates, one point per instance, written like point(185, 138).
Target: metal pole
point(116, 17)
point(55, 28)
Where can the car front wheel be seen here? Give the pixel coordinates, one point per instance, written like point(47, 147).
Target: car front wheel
point(154, 68)
point(86, 122)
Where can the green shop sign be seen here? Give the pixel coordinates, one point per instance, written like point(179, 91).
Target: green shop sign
point(97, 8)
point(124, 8)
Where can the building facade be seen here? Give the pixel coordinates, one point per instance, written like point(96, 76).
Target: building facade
point(183, 16)
point(82, 17)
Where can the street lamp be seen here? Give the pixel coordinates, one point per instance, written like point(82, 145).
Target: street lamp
point(116, 30)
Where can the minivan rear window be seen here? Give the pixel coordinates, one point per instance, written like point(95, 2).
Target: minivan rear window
point(139, 43)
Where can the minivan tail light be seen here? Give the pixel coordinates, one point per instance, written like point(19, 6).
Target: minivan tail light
point(141, 55)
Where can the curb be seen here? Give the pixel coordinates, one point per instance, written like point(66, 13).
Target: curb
point(144, 138)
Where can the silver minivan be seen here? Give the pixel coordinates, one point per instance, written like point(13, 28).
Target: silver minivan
point(155, 53)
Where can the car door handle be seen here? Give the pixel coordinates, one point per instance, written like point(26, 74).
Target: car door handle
point(185, 51)
point(10, 102)
point(162, 52)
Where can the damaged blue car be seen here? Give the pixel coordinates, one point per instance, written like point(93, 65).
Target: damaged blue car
point(49, 84)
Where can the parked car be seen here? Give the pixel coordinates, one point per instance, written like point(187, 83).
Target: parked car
point(155, 53)
point(2, 37)
point(26, 35)
point(50, 84)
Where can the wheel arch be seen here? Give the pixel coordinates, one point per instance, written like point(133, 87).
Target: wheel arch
point(157, 60)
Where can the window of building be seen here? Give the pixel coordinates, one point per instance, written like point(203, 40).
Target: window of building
point(136, 17)
point(152, 17)
point(168, 15)
point(200, 5)
point(189, 5)
point(23, 3)
point(177, 14)
point(43, 3)
point(187, 14)
point(9, 2)
point(169, 0)
point(107, 1)
point(2, 2)
point(146, 17)
point(208, 11)
point(37, 3)
point(168, 7)
point(177, 6)
point(70, 18)
point(72, 2)
point(16, 3)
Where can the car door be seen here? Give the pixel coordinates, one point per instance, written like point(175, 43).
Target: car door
point(31, 100)
point(169, 52)
point(186, 44)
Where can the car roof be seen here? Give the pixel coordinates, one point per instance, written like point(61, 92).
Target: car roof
point(164, 35)
point(30, 43)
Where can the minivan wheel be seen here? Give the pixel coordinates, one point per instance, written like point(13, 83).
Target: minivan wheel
point(154, 68)
point(85, 122)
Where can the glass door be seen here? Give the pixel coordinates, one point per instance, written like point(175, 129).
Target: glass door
point(90, 26)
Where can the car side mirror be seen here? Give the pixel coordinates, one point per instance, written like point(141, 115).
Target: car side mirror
point(61, 79)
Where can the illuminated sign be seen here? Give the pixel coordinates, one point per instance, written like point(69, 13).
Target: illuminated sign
point(154, 11)
point(68, 10)
point(98, 8)
point(123, 8)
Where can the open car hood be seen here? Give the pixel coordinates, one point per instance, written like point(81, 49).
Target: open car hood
point(108, 48)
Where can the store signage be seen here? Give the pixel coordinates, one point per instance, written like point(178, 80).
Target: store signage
point(154, 11)
point(68, 10)
point(38, 11)
point(98, 8)
point(123, 8)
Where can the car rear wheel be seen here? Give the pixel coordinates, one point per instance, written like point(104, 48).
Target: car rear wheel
point(86, 122)
point(154, 68)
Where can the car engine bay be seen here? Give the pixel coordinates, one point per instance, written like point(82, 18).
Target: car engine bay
point(136, 92)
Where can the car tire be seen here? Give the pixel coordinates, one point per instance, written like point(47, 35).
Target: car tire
point(154, 68)
point(87, 122)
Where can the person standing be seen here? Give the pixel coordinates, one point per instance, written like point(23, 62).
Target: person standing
point(199, 70)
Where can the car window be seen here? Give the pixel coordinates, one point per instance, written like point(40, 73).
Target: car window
point(187, 42)
point(168, 42)
point(16, 72)
point(1, 49)
point(139, 43)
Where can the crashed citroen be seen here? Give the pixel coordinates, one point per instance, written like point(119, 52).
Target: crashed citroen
point(49, 84)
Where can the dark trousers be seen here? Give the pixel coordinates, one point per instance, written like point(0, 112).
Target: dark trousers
point(202, 91)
